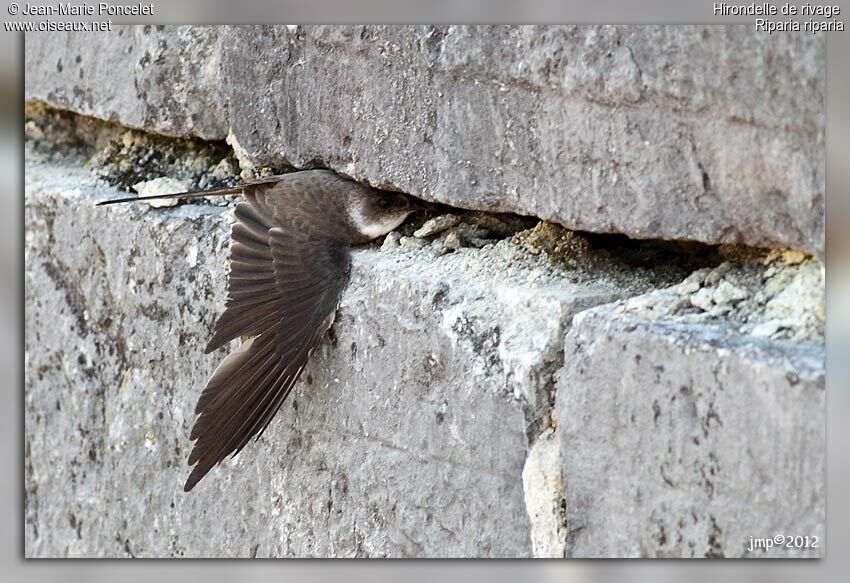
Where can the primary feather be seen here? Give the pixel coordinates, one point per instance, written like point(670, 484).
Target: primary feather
point(285, 281)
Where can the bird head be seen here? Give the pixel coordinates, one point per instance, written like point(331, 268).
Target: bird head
point(376, 212)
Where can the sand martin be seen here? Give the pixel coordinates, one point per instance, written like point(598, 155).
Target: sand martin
point(289, 263)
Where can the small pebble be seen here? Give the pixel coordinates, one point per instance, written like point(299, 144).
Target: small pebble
point(412, 243)
point(693, 282)
point(437, 225)
point(160, 186)
point(391, 241)
point(452, 242)
point(702, 299)
point(226, 169)
point(689, 286)
point(727, 293)
point(717, 273)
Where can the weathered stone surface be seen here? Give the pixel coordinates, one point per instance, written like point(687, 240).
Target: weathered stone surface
point(686, 440)
point(423, 426)
point(407, 435)
point(544, 497)
point(709, 133)
point(163, 79)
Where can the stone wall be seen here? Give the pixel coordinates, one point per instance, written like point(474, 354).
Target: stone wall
point(707, 133)
point(503, 388)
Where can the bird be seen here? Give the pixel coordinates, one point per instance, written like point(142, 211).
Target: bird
point(289, 264)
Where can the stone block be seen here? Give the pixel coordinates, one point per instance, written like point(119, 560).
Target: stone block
point(706, 133)
point(686, 440)
point(162, 79)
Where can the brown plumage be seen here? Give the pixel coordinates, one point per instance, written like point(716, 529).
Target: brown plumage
point(289, 263)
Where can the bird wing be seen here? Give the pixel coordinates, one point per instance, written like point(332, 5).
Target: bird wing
point(284, 288)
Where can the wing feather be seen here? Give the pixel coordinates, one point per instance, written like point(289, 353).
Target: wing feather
point(246, 251)
point(283, 289)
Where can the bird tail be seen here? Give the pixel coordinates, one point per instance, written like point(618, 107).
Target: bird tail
point(195, 193)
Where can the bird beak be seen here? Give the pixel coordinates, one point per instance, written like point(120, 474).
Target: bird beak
point(417, 205)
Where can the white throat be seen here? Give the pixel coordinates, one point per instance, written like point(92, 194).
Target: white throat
point(371, 228)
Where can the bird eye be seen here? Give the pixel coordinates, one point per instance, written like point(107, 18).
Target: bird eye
point(384, 203)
